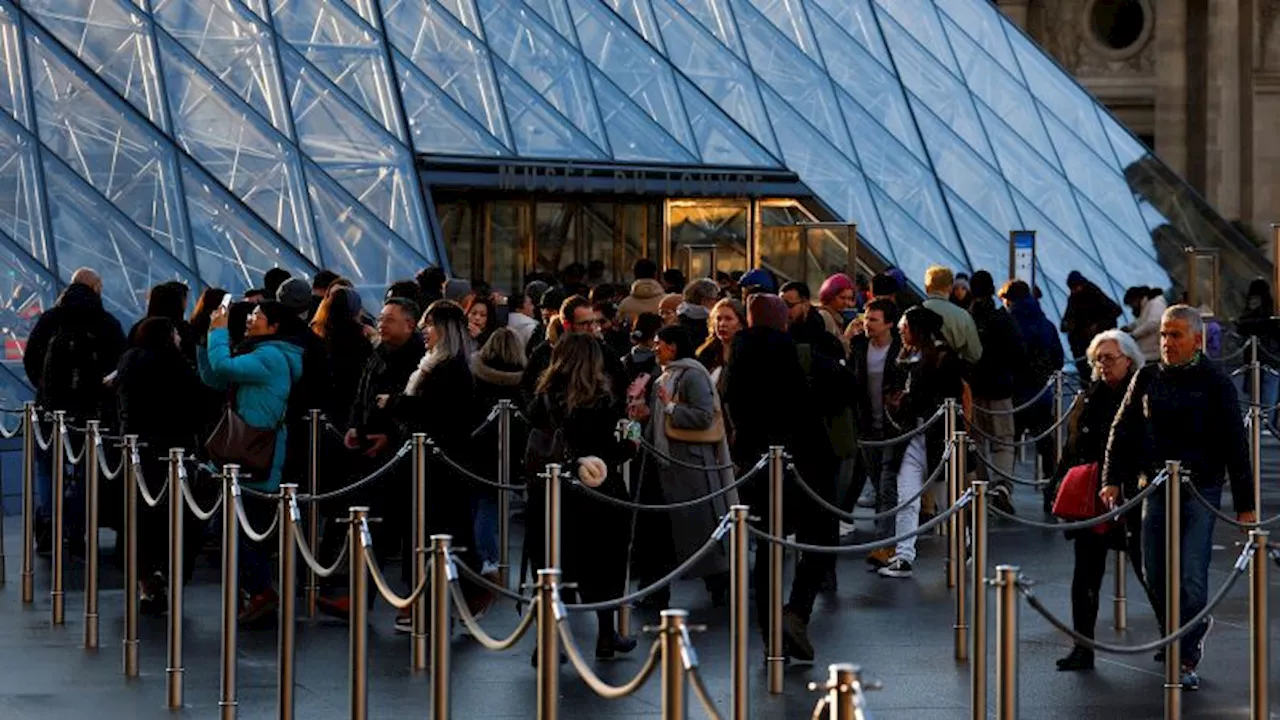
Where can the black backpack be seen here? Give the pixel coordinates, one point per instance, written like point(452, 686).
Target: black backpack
point(71, 379)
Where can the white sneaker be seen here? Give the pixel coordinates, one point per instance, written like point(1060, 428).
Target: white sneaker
point(846, 528)
point(897, 568)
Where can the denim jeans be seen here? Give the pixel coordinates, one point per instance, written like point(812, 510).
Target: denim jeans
point(1197, 551)
point(255, 571)
point(484, 514)
point(1269, 390)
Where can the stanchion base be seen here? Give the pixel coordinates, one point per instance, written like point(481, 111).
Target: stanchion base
point(962, 643)
point(28, 588)
point(91, 632)
point(1121, 621)
point(130, 658)
point(174, 698)
point(59, 608)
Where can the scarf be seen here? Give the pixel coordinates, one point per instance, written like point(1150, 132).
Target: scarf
point(430, 361)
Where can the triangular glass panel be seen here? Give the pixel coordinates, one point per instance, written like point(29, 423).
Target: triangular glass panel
point(931, 85)
point(717, 19)
point(867, 81)
point(986, 248)
point(982, 23)
point(454, 59)
point(897, 172)
point(792, 75)
point(436, 123)
point(920, 19)
point(259, 8)
point(235, 46)
point(639, 15)
point(233, 248)
point(1055, 88)
point(633, 66)
point(858, 20)
point(355, 245)
point(1031, 176)
point(333, 38)
point(237, 146)
point(1129, 260)
point(633, 135)
point(112, 39)
point(28, 290)
point(546, 61)
point(724, 78)
point(89, 232)
point(118, 152)
point(539, 131)
point(356, 151)
point(789, 17)
point(20, 194)
point(833, 177)
point(913, 248)
point(1058, 252)
point(556, 14)
point(13, 91)
point(972, 179)
point(1129, 149)
point(1096, 178)
point(1007, 97)
point(464, 11)
point(720, 140)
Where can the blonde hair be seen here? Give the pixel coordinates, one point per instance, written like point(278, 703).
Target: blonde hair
point(503, 346)
point(578, 363)
point(555, 329)
point(938, 279)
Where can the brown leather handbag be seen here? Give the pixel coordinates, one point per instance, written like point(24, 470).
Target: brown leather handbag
point(712, 434)
point(236, 442)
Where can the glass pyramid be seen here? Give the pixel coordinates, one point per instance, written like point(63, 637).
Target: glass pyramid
point(208, 140)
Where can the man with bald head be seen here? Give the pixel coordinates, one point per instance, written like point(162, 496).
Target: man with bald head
point(72, 348)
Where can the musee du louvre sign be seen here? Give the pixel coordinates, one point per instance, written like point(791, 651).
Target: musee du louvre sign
point(577, 178)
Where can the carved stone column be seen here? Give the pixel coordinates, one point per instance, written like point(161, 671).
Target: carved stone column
point(1171, 84)
point(1229, 166)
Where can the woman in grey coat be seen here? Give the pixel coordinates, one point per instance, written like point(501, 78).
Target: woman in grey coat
point(684, 398)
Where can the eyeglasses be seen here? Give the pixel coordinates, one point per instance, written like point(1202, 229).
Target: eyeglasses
point(1107, 359)
point(588, 323)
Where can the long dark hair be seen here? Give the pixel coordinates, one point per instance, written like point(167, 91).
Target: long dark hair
point(156, 334)
point(208, 302)
point(577, 367)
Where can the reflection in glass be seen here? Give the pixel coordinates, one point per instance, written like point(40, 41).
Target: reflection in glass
point(718, 223)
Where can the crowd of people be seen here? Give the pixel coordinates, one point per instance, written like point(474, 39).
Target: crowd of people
point(690, 381)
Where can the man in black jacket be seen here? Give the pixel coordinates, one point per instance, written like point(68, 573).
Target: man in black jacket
point(73, 347)
point(1183, 409)
point(874, 356)
point(313, 387)
point(992, 383)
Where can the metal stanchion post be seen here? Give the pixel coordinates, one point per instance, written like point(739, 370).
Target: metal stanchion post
point(174, 671)
point(358, 577)
point(551, 517)
point(1059, 409)
point(1120, 604)
point(288, 618)
point(1007, 642)
point(1255, 451)
point(313, 509)
point(1173, 588)
point(739, 615)
point(624, 612)
point(950, 423)
point(130, 484)
point(959, 445)
point(1259, 629)
point(504, 498)
point(548, 645)
point(776, 661)
point(59, 609)
point(844, 700)
point(978, 658)
point(440, 635)
point(418, 611)
point(28, 501)
point(675, 693)
point(230, 591)
point(92, 449)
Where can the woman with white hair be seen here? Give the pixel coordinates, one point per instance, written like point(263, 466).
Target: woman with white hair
point(1115, 358)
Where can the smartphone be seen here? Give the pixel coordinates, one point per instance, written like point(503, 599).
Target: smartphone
point(226, 302)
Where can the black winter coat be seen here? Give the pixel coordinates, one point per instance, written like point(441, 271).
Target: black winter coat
point(1089, 427)
point(147, 383)
point(386, 373)
point(348, 356)
point(494, 383)
point(79, 306)
point(1003, 351)
point(895, 377)
point(928, 386)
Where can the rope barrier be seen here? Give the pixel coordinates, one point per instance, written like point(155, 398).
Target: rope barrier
point(320, 570)
point(760, 465)
point(147, 497)
point(1014, 411)
point(924, 528)
point(593, 681)
point(372, 477)
point(1108, 516)
point(103, 468)
point(193, 506)
point(1195, 492)
point(664, 457)
point(10, 434)
point(487, 584)
point(493, 415)
point(35, 430)
point(439, 452)
point(919, 429)
point(1242, 563)
point(244, 520)
point(12, 411)
point(990, 465)
point(67, 452)
point(473, 626)
point(925, 487)
point(699, 688)
point(395, 601)
point(1066, 415)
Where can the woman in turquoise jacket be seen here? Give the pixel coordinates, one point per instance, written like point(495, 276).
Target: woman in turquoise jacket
point(261, 373)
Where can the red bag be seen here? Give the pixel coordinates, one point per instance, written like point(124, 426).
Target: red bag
point(1078, 494)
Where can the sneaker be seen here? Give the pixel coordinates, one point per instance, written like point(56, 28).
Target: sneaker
point(795, 638)
point(879, 558)
point(259, 606)
point(1001, 501)
point(847, 528)
point(1079, 659)
point(1190, 680)
point(404, 621)
point(897, 568)
point(1196, 655)
point(608, 648)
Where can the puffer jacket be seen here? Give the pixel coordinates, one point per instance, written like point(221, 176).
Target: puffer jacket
point(1146, 329)
point(262, 376)
point(645, 296)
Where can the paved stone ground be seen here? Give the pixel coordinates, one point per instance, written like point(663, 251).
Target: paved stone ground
point(899, 630)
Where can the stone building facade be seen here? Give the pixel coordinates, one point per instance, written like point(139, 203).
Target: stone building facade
point(1198, 80)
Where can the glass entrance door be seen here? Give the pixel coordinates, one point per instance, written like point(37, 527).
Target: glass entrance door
point(707, 236)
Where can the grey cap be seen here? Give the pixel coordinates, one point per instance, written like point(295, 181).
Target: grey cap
point(456, 290)
point(295, 295)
